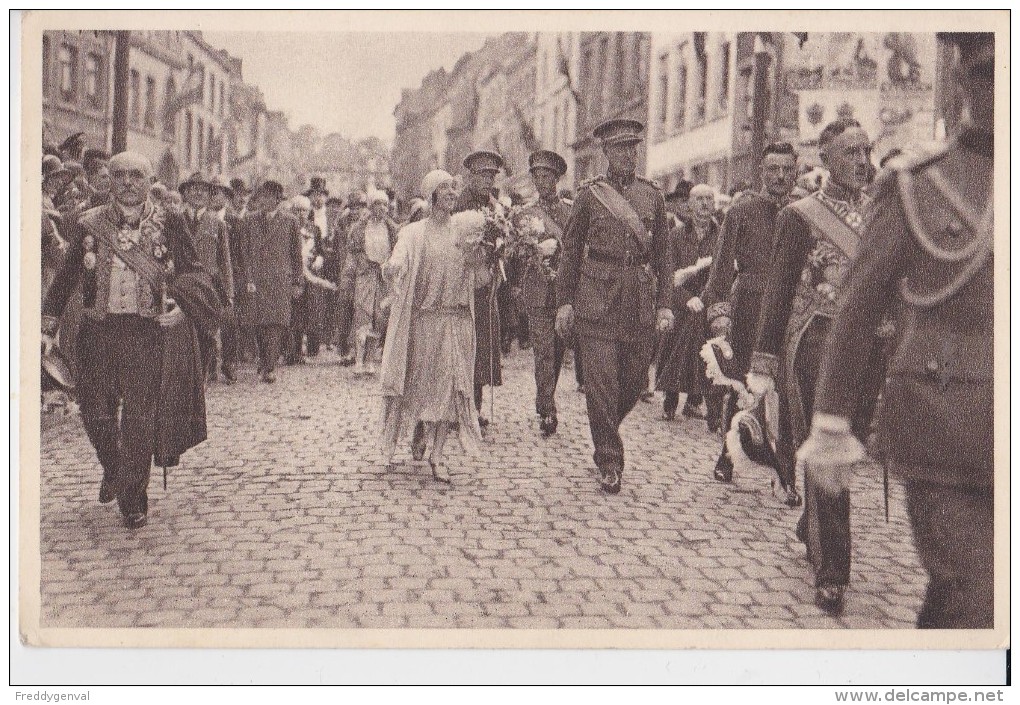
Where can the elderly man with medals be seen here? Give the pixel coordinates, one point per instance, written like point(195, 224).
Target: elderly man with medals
point(539, 285)
point(817, 238)
point(928, 251)
point(145, 293)
point(614, 287)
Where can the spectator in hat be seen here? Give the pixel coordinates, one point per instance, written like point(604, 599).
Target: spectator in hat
point(55, 179)
point(239, 193)
point(331, 245)
point(273, 273)
point(98, 173)
point(369, 245)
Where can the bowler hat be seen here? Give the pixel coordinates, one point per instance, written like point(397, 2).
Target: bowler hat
point(620, 131)
point(271, 188)
point(237, 186)
point(195, 179)
point(483, 160)
point(53, 168)
point(318, 186)
point(547, 159)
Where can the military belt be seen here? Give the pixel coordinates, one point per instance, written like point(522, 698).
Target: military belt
point(629, 259)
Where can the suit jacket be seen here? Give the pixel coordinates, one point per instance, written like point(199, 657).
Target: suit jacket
point(273, 263)
point(212, 243)
point(235, 236)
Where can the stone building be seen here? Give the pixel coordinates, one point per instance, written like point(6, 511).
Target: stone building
point(613, 83)
point(557, 95)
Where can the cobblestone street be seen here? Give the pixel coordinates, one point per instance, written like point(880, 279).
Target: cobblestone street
point(287, 517)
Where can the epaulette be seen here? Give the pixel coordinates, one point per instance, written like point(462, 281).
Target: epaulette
point(649, 181)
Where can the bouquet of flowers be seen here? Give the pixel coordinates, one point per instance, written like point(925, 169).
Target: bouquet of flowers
point(530, 241)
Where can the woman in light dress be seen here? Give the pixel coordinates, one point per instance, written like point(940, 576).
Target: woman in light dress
point(427, 375)
point(370, 245)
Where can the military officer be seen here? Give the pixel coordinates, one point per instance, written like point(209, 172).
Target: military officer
point(483, 166)
point(539, 285)
point(130, 257)
point(928, 248)
point(613, 289)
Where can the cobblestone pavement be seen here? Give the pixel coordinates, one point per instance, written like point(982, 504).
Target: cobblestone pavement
point(287, 517)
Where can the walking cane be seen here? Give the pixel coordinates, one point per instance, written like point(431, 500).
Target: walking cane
point(492, 351)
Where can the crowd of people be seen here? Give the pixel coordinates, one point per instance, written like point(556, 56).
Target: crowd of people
point(782, 316)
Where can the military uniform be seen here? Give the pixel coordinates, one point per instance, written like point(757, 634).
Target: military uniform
point(929, 244)
point(488, 362)
point(539, 295)
point(615, 278)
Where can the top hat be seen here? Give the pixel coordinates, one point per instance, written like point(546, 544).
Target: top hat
point(195, 179)
point(53, 168)
point(547, 159)
point(271, 188)
point(237, 186)
point(620, 131)
point(682, 191)
point(318, 186)
point(483, 161)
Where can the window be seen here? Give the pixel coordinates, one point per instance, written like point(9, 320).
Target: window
point(187, 138)
point(68, 71)
point(638, 61)
point(169, 122)
point(663, 105)
point(46, 58)
point(724, 77)
point(136, 97)
point(199, 133)
point(556, 127)
point(93, 77)
point(680, 104)
point(150, 103)
point(211, 153)
point(701, 61)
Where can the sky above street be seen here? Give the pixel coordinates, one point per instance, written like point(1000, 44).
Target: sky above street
point(341, 82)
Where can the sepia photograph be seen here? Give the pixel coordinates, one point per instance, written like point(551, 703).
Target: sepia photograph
point(551, 330)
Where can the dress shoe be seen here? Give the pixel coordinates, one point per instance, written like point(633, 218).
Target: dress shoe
point(136, 520)
point(106, 493)
point(723, 469)
point(439, 472)
point(483, 422)
point(829, 598)
point(610, 480)
point(548, 425)
point(418, 442)
point(268, 377)
point(793, 498)
point(228, 373)
point(691, 411)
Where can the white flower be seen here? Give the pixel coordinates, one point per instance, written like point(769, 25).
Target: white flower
point(90, 260)
point(505, 201)
point(537, 225)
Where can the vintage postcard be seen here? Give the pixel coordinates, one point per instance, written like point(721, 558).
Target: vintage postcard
point(514, 329)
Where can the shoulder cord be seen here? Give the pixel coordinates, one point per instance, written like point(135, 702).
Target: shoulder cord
point(906, 181)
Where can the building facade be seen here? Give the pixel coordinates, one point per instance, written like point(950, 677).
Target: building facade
point(691, 96)
point(77, 85)
point(557, 95)
point(613, 83)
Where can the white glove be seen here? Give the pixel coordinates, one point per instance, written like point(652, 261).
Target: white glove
point(665, 320)
point(759, 385)
point(547, 248)
point(695, 304)
point(171, 318)
point(317, 264)
point(830, 452)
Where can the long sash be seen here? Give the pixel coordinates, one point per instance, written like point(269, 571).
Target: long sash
point(136, 258)
point(829, 225)
point(621, 209)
